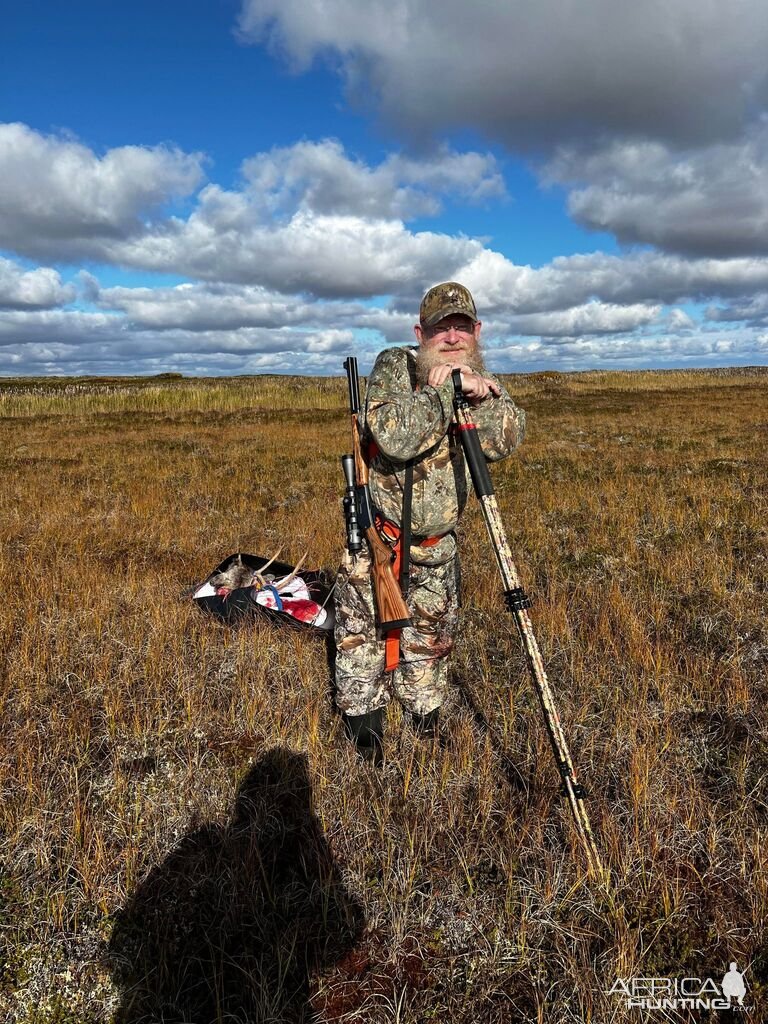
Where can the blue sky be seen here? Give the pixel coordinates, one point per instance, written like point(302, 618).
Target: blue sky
point(242, 187)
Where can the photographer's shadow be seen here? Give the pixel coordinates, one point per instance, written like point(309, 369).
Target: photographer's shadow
point(237, 919)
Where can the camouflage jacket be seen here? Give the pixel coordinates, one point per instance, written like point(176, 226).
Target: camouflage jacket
point(407, 423)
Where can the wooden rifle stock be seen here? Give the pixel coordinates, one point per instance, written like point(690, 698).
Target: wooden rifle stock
point(391, 609)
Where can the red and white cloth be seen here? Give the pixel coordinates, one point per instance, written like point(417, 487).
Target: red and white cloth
point(293, 600)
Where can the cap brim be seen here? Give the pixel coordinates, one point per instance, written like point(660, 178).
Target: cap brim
point(441, 314)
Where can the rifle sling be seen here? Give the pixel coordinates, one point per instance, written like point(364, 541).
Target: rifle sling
point(406, 529)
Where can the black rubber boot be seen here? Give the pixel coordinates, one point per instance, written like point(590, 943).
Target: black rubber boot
point(426, 726)
point(367, 733)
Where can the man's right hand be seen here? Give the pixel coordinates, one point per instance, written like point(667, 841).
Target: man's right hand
point(475, 387)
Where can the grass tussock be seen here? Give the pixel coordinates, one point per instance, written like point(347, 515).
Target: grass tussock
point(186, 834)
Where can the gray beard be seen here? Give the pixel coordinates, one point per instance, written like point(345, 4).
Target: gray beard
point(427, 358)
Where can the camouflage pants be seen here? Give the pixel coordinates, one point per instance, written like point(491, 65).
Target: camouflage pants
point(420, 680)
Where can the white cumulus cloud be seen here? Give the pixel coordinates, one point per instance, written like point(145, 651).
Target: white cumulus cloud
point(587, 319)
point(224, 239)
point(60, 200)
point(501, 286)
point(711, 201)
point(753, 310)
point(534, 72)
point(307, 218)
point(321, 177)
point(656, 110)
point(40, 288)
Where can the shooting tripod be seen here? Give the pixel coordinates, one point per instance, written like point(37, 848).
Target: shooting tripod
point(518, 603)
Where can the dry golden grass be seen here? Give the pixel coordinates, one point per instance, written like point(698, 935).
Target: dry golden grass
point(636, 510)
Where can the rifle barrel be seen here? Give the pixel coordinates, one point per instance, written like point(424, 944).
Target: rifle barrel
point(350, 365)
point(392, 611)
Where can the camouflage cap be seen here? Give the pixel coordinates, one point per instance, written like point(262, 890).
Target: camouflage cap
point(445, 299)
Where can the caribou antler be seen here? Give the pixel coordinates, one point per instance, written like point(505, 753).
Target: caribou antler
point(284, 583)
point(272, 559)
point(259, 578)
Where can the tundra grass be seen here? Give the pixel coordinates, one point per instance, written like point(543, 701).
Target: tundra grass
point(450, 885)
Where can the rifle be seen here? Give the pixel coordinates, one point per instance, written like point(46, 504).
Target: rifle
point(518, 603)
point(359, 514)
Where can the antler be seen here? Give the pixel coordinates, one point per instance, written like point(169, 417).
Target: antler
point(259, 578)
point(267, 564)
point(284, 583)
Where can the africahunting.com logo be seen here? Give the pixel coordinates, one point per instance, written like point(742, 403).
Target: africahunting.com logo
point(682, 993)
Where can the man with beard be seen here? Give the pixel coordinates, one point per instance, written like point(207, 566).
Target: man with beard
point(419, 484)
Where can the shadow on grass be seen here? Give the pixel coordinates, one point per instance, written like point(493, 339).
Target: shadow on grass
point(524, 787)
point(237, 919)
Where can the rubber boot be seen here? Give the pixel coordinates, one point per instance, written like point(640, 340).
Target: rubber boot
point(367, 733)
point(426, 726)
